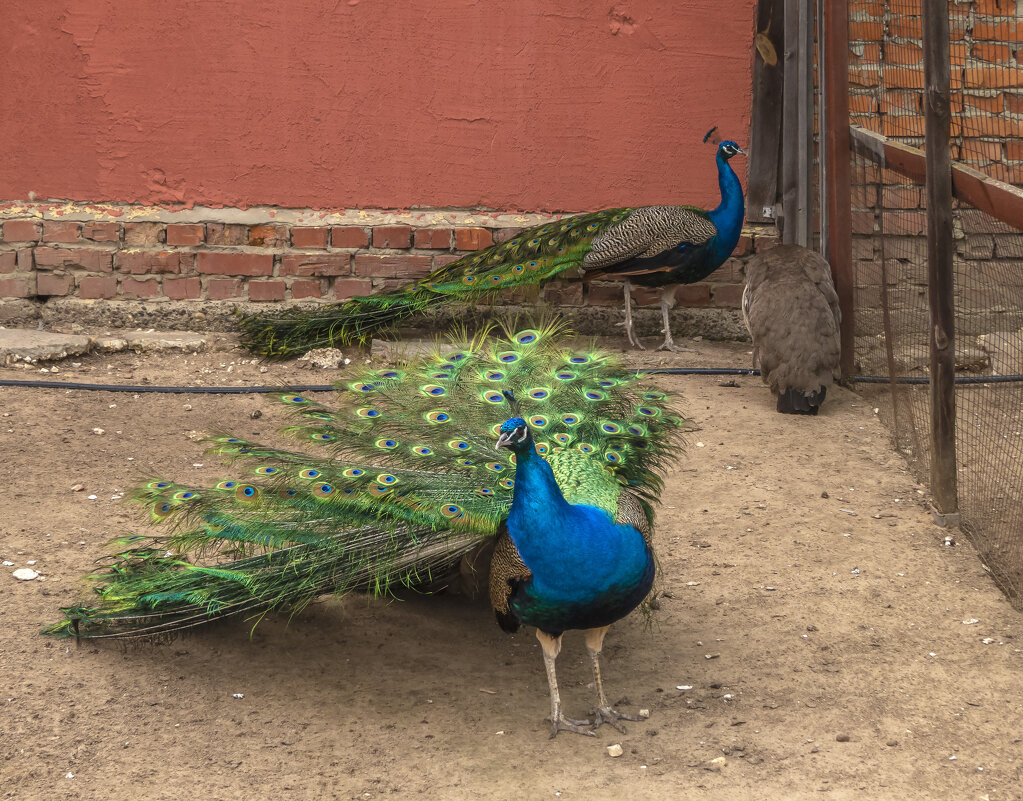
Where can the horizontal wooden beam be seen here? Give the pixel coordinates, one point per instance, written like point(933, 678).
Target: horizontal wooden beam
point(1000, 200)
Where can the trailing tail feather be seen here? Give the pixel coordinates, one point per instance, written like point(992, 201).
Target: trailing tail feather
point(397, 483)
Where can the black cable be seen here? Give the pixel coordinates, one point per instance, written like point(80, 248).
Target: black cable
point(257, 390)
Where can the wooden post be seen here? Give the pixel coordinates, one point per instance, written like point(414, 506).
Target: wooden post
point(790, 123)
point(804, 148)
point(835, 59)
point(765, 136)
point(940, 276)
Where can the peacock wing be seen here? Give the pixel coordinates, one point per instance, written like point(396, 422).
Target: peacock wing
point(649, 232)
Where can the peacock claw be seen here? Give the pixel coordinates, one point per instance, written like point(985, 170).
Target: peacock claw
point(562, 723)
point(610, 716)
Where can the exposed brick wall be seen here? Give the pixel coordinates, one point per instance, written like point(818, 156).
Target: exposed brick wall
point(270, 262)
point(986, 52)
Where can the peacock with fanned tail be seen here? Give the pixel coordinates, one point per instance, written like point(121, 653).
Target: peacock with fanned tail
point(651, 246)
point(548, 454)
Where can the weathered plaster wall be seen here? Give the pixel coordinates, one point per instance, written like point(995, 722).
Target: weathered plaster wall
point(528, 105)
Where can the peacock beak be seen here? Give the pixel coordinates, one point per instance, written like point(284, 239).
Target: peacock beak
point(509, 438)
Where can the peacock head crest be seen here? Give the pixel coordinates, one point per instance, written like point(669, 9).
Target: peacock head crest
point(726, 148)
point(515, 435)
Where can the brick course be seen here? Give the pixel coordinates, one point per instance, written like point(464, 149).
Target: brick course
point(273, 262)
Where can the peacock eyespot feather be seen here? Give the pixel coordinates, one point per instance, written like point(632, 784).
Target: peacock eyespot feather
point(538, 421)
point(359, 386)
point(440, 376)
point(379, 490)
point(579, 358)
point(388, 374)
point(648, 411)
point(159, 485)
point(508, 356)
point(606, 383)
point(496, 467)
point(534, 242)
point(353, 472)
point(585, 447)
point(227, 485)
point(434, 390)
point(455, 357)
point(386, 444)
point(469, 279)
point(451, 511)
point(265, 471)
point(594, 395)
point(309, 473)
point(485, 492)
point(571, 419)
point(565, 375)
point(564, 439)
point(387, 479)
point(493, 397)
point(542, 448)
point(611, 428)
point(185, 496)
point(507, 483)
point(519, 268)
point(612, 457)
point(437, 416)
point(323, 437)
point(618, 217)
point(465, 462)
point(654, 396)
point(246, 492)
point(162, 509)
point(287, 493)
point(459, 445)
point(638, 431)
point(527, 337)
point(294, 399)
point(533, 265)
point(446, 367)
point(367, 412)
point(422, 450)
point(323, 490)
point(496, 278)
point(494, 375)
point(539, 393)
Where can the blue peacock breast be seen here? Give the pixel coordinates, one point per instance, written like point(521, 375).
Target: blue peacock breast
point(586, 572)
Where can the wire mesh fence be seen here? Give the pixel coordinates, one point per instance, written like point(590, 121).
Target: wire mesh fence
point(889, 220)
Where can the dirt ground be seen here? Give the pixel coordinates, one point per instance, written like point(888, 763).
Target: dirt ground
point(814, 629)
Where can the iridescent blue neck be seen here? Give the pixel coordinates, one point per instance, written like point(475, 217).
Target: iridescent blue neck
point(728, 216)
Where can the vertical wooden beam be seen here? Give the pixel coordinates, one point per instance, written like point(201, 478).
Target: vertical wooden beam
point(765, 135)
point(790, 124)
point(940, 276)
point(804, 147)
point(835, 59)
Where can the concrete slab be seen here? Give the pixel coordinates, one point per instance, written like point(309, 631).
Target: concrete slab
point(25, 345)
point(156, 341)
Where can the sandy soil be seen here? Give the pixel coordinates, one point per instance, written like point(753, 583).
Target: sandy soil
point(808, 600)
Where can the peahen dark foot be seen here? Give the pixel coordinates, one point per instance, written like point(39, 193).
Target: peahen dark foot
point(610, 716)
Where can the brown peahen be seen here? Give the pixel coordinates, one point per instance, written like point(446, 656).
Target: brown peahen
point(651, 246)
point(551, 453)
point(791, 310)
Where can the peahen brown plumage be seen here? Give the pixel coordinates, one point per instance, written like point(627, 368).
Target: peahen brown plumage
point(551, 453)
point(651, 246)
point(791, 310)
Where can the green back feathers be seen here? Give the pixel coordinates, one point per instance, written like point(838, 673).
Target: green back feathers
point(398, 479)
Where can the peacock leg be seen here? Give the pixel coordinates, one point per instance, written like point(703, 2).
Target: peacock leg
point(551, 648)
point(604, 713)
point(629, 332)
point(668, 303)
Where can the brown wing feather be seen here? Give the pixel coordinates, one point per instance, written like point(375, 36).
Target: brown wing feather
point(632, 513)
point(506, 568)
point(791, 310)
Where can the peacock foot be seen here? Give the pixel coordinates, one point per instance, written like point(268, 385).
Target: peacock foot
point(670, 345)
point(610, 716)
point(561, 723)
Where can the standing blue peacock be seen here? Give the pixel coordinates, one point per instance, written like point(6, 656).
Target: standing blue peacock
point(552, 455)
point(651, 246)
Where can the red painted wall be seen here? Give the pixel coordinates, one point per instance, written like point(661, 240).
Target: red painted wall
point(527, 105)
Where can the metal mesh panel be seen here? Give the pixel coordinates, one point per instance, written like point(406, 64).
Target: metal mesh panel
point(890, 267)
